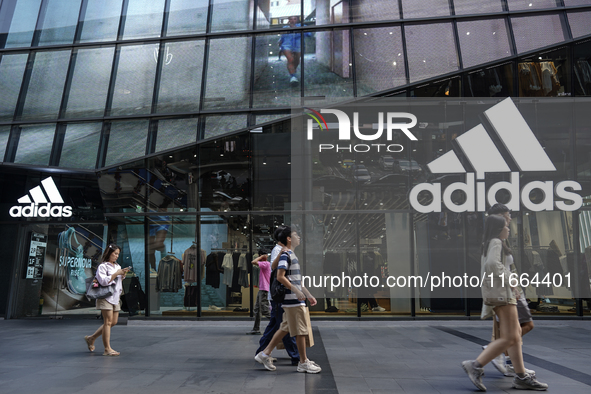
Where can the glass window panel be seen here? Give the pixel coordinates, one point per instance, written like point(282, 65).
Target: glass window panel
point(431, 50)
point(424, 8)
point(92, 71)
point(483, 41)
point(182, 69)
point(4, 134)
point(464, 7)
point(230, 15)
point(379, 59)
point(271, 186)
point(220, 125)
point(546, 74)
point(12, 68)
point(101, 21)
point(583, 69)
point(127, 140)
point(328, 64)
point(228, 73)
point(34, 144)
point(23, 23)
point(176, 132)
point(144, 19)
point(515, 5)
point(374, 10)
point(59, 24)
point(579, 23)
point(264, 118)
point(491, 82)
point(538, 31)
point(272, 86)
point(134, 83)
point(47, 85)
point(81, 143)
point(570, 3)
point(187, 17)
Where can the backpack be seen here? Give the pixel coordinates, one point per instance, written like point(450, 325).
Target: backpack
point(277, 288)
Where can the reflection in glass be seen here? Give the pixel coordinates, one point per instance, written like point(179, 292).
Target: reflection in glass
point(224, 124)
point(570, 3)
point(228, 73)
point(483, 41)
point(271, 164)
point(547, 74)
point(272, 85)
point(231, 15)
point(180, 84)
point(134, 83)
point(583, 69)
point(579, 23)
point(379, 59)
point(101, 21)
point(23, 23)
point(374, 10)
point(537, 31)
point(47, 85)
point(187, 17)
point(81, 143)
point(425, 8)
point(224, 178)
point(60, 21)
point(4, 134)
point(464, 7)
point(127, 140)
point(515, 5)
point(34, 144)
point(143, 19)
point(327, 62)
point(92, 70)
point(264, 118)
point(176, 132)
point(12, 68)
point(491, 82)
point(431, 50)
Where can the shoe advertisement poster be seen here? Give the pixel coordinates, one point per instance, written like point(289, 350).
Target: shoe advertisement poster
point(36, 256)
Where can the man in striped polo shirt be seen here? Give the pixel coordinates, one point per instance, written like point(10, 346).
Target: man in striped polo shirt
point(295, 315)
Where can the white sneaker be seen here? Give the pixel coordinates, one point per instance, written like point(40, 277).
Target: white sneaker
point(309, 367)
point(378, 309)
point(265, 360)
point(529, 382)
point(475, 374)
point(214, 308)
point(500, 364)
point(293, 80)
point(511, 371)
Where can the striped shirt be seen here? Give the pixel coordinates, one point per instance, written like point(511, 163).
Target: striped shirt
point(294, 275)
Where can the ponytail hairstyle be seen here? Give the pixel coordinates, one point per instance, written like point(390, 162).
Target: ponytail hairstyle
point(109, 250)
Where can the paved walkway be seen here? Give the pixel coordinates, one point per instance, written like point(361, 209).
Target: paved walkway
point(50, 356)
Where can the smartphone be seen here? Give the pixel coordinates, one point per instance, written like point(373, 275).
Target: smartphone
point(129, 268)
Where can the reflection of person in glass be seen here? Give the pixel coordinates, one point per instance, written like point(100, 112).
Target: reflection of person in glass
point(290, 44)
point(157, 237)
point(107, 273)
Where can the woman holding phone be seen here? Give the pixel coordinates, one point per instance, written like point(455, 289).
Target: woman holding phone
point(107, 273)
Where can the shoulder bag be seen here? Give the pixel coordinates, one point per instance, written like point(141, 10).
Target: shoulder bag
point(93, 293)
point(277, 288)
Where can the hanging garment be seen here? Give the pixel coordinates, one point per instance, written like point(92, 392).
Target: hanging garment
point(228, 266)
point(191, 293)
point(243, 271)
point(169, 274)
point(191, 264)
point(256, 271)
point(213, 270)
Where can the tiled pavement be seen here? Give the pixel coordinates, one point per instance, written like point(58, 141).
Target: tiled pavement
point(50, 356)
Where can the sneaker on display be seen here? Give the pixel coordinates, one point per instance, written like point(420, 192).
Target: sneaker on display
point(378, 309)
point(529, 382)
point(309, 367)
point(265, 360)
point(293, 80)
point(475, 374)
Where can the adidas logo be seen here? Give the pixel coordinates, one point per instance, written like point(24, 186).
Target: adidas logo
point(483, 155)
point(41, 204)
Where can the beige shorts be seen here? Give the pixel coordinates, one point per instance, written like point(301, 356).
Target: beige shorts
point(295, 320)
point(104, 305)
